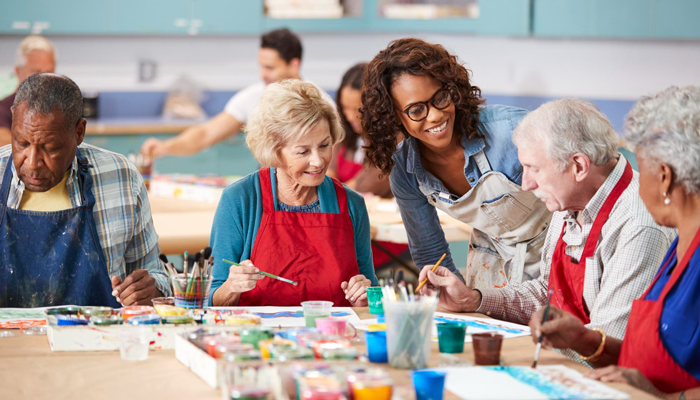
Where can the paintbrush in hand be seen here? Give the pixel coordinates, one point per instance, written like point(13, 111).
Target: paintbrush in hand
point(539, 341)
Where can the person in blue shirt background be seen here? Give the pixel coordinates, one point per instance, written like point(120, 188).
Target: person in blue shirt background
point(289, 218)
point(660, 352)
point(456, 156)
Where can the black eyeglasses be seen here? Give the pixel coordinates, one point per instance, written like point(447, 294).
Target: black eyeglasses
point(419, 111)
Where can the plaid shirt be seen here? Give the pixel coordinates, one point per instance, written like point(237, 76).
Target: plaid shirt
point(629, 252)
point(122, 211)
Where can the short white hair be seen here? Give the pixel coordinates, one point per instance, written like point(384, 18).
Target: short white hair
point(286, 112)
point(568, 126)
point(32, 43)
point(665, 128)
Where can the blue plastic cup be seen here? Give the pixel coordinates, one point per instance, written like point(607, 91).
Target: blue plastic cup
point(376, 347)
point(429, 385)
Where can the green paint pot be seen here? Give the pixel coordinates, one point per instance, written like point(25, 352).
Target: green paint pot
point(374, 298)
point(451, 337)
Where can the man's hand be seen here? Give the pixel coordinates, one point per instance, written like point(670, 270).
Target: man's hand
point(153, 148)
point(139, 288)
point(454, 295)
point(561, 330)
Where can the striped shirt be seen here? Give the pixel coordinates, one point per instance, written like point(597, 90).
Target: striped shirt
point(122, 211)
point(629, 252)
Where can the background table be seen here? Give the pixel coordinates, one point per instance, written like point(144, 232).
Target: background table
point(29, 370)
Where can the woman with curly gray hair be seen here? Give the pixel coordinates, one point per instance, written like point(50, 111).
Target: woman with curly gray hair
point(661, 349)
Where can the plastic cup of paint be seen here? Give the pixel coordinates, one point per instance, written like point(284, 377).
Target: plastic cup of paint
point(293, 333)
point(52, 315)
point(165, 310)
point(451, 337)
point(133, 343)
point(110, 320)
point(487, 348)
point(336, 326)
point(191, 292)
point(376, 347)
point(254, 335)
point(242, 355)
point(243, 319)
point(340, 353)
point(178, 320)
point(316, 309)
point(329, 343)
point(211, 342)
point(246, 381)
point(148, 319)
point(291, 353)
point(371, 386)
point(248, 393)
point(374, 298)
point(429, 385)
point(90, 312)
point(163, 301)
point(70, 320)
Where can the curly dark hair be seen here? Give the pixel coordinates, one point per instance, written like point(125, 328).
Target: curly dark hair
point(380, 125)
point(352, 78)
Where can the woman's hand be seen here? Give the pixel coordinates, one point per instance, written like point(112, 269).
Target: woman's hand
point(242, 278)
point(356, 290)
point(630, 376)
point(561, 330)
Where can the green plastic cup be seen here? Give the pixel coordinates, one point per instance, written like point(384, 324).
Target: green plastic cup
point(374, 298)
point(451, 337)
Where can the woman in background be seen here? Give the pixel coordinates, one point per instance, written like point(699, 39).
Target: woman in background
point(348, 164)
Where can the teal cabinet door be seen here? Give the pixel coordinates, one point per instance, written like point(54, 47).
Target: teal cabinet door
point(676, 19)
point(226, 16)
point(72, 16)
point(496, 17)
point(144, 17)
point(593, 18)
point(15, 18)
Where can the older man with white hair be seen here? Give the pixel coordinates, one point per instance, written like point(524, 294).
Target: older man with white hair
point(602, 245)
point(34, 54)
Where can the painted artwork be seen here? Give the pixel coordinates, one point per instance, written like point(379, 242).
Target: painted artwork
point(474, 325)
point(291, 317)
point(525, 383)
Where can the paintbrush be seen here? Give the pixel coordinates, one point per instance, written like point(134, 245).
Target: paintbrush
point(437, 264)
point(539, 341)
point(267, 274)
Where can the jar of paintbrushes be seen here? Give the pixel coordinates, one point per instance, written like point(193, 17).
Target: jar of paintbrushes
point(409, 322)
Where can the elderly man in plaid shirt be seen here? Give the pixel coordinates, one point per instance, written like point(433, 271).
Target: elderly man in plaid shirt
point(75, 222)
point(602, 247)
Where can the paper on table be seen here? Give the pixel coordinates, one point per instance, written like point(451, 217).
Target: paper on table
point(288, 317)
point(14, 318)
point(474, 325)
point(525, 383)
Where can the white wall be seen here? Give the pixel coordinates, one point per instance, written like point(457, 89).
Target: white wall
point(603, 69)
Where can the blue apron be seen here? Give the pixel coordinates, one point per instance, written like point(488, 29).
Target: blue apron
point(52, 258)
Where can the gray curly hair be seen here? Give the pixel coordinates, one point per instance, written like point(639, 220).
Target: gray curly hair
point(665, 128)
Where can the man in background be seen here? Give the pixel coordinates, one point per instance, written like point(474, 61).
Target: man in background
point(34, 54)
point(279, 58)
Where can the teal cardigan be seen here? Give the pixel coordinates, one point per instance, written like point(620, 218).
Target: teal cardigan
point(240, 211)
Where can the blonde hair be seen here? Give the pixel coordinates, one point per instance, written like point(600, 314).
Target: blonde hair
point(287, 111)
point(32, 43)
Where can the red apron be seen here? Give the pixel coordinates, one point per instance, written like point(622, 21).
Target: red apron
point(315, 249)
point(566, 277)
point(643, 349)
point(348, 170)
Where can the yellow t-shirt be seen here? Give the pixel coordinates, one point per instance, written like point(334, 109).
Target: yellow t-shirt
point(54, 199)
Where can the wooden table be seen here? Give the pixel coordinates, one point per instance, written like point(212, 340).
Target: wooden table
point(186, 225)
point(29, 370)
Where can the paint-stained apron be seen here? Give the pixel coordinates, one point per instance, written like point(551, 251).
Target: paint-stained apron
point(52, 258)
point(508, 227)
point(567, 277)
point(642, 347)
point(317, 250)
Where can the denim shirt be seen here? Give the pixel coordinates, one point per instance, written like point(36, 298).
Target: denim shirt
point(425, 236)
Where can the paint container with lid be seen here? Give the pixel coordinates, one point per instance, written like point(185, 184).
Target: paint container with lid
point(178, 320)
point(110, 320)
point(148, 319)
point(90, 312)
point(253, 335)
point(211, 342)
point(133, 311)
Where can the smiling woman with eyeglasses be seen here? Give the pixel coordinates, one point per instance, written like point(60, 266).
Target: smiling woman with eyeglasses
point(456, 156)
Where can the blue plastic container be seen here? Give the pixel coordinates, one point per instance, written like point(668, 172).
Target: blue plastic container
point(429, 385)
point(376, 347)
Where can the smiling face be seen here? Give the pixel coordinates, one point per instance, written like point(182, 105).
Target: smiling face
point(541, 176)
point(306, 160)
point(351, 102)
point(43, 147)
point(436, 131)
point(273, 68)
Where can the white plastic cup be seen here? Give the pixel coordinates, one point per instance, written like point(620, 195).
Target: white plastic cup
point(409, 333)
point(133, 343)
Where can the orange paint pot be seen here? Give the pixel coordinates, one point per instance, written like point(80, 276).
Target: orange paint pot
point(133, 311)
